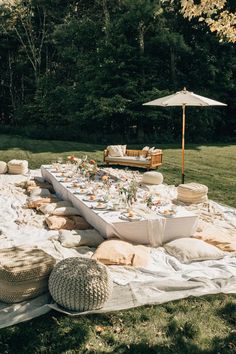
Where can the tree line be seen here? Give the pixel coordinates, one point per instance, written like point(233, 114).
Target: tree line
point(82, 69)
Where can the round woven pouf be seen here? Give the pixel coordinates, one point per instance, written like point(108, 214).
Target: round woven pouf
point(152, 177)
point(80, 284)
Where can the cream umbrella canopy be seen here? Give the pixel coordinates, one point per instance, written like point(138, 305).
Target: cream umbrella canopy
point(183, 98)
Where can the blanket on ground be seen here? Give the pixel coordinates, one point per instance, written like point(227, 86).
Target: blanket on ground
point(164, 279)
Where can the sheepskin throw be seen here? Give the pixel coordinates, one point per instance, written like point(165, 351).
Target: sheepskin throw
point(80, 284)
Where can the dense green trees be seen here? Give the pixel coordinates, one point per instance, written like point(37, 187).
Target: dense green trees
point(82, 69)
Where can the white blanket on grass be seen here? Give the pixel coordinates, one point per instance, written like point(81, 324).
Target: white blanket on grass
point(165, 278)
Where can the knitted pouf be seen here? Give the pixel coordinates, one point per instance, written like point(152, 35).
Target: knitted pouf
point(80, 284)
point(3, 167)
point(152, 177)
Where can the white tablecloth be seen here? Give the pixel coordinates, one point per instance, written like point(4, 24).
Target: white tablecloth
point(154, 230)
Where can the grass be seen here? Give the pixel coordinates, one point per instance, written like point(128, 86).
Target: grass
point(204, 325)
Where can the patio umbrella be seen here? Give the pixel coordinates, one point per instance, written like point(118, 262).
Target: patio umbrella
point(183, 98)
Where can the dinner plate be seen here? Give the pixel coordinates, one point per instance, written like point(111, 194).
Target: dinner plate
point(167, 214)
point(125, 216)
point(80, 191)
point(100, 206)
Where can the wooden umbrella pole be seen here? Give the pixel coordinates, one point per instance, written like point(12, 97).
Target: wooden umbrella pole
point(183, 141)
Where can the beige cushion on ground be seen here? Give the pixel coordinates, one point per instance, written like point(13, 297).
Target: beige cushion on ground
point(192, 193)
point(116, 150)
point(122, 253)
point(31, 185)
point(17, 166)
point(152, 177)
point(49, 208)
point(189, 249)
point(42, 192)
point(67, 222)
point(37, 201)
point(222, 238)
point(66, 211)
point(77, 238)
point(3, 167)
point(24, 273)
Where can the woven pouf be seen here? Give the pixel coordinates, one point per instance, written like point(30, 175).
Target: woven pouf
point(152, 177)
point(24, 273)
point(80, 284)
point(17, 167)
point(192, 193)
point(3, 167)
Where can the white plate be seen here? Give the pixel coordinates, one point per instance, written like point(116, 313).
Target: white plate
point(126, 217)
point(80, 191)
point(101, 206)
point(167, 215)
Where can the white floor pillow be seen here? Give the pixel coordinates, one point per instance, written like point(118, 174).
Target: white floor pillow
point(188, 249)
point(16, 167)
point(3, 167)
point(65, 211)
point(78, 238)
point(152, 177)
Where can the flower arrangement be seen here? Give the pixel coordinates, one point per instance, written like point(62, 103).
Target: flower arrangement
point(129, 192)
point(74, 160)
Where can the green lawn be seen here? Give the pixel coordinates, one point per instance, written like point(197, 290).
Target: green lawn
point(195, 325)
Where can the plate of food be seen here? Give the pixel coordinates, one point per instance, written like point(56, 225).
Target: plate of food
point(168, 213)
point(80, 191)
point(90, 198)
point(130, 216)
point(100, 206)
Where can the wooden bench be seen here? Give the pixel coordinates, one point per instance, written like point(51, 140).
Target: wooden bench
point(135, 158)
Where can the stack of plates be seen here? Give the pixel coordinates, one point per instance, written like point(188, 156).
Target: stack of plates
point(192, 193)
point(18, 167)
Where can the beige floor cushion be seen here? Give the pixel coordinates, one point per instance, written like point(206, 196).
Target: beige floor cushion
point(49, 208)
point(42, 192)
point(152, 177)
point(192, 193)
point(65, 211)
point(3, 167)
point(187, 250)
point(37, 201)
point(78, 238)
point(122, 253)
point(24, 273)
point(222, 238)
point(55, 222)
point(17, 167)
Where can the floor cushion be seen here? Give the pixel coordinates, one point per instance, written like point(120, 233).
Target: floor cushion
point(78, 238)
point(65, 211)
point(49, 208)
point(187, 250)
point(80, 284)
point(152, 177)
point(192, 193)
point(17, 167)
point(3, 167)
point(222, 238)
point(55, 222)
point(42, 192)
point(24, 273)
point(122, 253)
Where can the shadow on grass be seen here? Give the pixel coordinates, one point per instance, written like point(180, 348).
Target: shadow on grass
point(58, 146)
point(47, 334)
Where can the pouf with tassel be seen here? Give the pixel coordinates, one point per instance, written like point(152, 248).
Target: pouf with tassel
point(80, 284)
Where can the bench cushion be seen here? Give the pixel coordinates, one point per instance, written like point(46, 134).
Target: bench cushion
point(139, 160)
